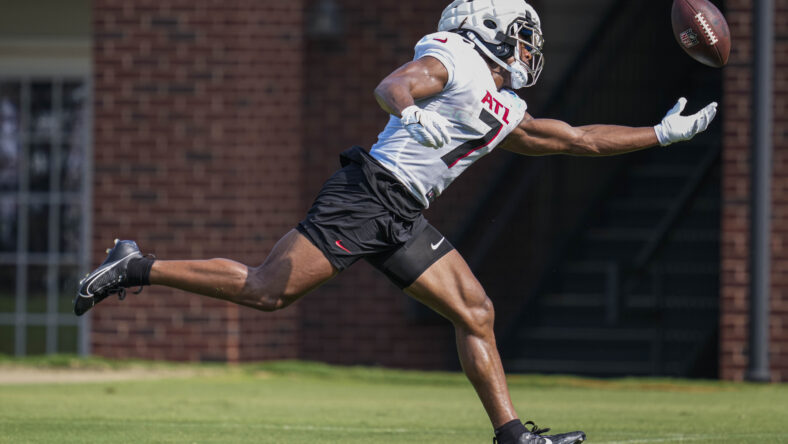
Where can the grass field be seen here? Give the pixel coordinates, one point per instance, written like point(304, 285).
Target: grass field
point(67, 400)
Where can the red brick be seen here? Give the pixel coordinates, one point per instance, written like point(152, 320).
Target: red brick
point(735, 213)
point(163, 88)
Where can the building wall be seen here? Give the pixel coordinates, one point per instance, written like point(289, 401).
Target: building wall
point(217, 122)
point(197, 135)
point(737, 109)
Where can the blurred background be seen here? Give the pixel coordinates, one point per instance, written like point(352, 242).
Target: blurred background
point(204, 128)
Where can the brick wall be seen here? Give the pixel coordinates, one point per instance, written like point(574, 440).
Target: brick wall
point(197, 146)
point(215, 125)
point(737, 106)
point(197, 154)
point(217, 122)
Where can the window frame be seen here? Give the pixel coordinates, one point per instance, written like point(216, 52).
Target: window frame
point(60, 62)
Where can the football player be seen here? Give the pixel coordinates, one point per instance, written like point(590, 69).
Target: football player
point(451, 105)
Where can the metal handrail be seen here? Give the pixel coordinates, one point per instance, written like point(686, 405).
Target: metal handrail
point(679, 204)
point(617, 291)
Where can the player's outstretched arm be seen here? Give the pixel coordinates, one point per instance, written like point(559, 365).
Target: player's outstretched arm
point(538, 137)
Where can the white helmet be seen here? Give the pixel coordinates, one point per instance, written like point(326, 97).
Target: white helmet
point(501, 29)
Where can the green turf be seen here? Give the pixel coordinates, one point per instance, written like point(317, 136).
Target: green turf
point(289, 402)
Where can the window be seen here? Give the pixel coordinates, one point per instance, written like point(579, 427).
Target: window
point(44, 212)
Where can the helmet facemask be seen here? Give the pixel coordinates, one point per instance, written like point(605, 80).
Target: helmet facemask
point(525, 37)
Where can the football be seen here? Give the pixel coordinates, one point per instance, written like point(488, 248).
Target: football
point(702, 31)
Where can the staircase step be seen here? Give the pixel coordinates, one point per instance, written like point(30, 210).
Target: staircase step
point(661, 203)
point(690, 155)
point(607, 334)
point(586, 334)
point(682, 279)
point(582, 301)
point(703, 303)
point(649, 187)
point(618, 234)
point(604, 267)
point(610, 243)
point(591, 367)
point(588, 266)
point(583, 367)
point(624, 243)
point(661, 170)
point(572, 300)
point(626, 234)
point(649, 212)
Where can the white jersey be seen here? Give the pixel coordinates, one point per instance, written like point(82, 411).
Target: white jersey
point(481, 117)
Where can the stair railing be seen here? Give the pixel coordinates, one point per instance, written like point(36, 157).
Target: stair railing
point(620, 282)
point(677, 209)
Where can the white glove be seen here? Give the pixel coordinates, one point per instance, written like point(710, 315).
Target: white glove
point(675, 127)
point(427, 127)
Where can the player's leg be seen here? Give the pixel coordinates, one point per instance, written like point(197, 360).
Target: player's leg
point(450, 288)
point(428, 268)
point(302, 260)
point(293, 268)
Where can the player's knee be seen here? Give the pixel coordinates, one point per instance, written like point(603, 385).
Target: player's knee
point(263, 293)
point(270, 302)
point(265, 299)
point(479, 315)
point(484, 313)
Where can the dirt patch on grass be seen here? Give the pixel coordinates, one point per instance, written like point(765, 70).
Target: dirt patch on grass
point(27, 375)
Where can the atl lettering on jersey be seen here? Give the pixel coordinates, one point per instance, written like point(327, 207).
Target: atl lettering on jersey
point(496, 107)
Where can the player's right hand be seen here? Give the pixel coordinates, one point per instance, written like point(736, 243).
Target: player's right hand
point(427, 127)
point(675, 127)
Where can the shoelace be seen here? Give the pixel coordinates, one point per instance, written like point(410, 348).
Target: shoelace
point(534, 430)
point(121, 291)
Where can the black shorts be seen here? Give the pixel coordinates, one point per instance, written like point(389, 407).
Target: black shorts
point(363, 211)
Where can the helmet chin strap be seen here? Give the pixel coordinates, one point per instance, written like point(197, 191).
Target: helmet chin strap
point(519, 74)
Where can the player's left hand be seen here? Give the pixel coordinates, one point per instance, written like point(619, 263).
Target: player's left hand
point(427, 127)
point(675, 127)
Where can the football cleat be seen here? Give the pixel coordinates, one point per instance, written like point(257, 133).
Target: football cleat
point(535, 436)
point(109, 278)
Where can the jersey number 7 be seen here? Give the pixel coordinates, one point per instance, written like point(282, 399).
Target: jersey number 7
point(467, 148)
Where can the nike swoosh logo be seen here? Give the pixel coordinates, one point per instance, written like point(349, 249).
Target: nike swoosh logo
point(435, 246)
point(99, 273)
point(339, 244)
point(442, 40)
